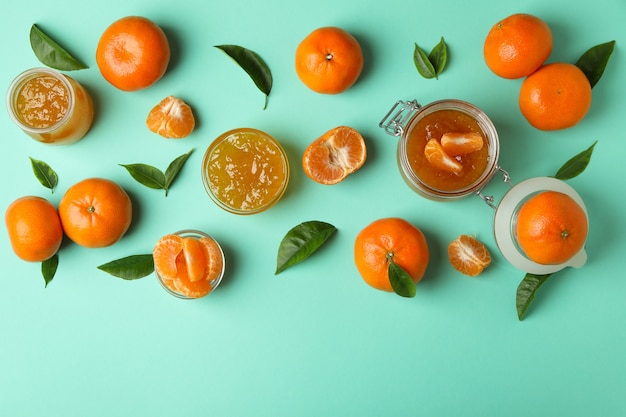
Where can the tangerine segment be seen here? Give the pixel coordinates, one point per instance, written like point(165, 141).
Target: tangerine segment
point(215, 258)
point(195, 260)
point(438, 158)
point(165, 253)
point(461, 143)
point(172, 118)
point(334, 155)
point(551, 228)
point(468, 255)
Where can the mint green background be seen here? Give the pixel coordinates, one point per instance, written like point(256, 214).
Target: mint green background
point(315, 340)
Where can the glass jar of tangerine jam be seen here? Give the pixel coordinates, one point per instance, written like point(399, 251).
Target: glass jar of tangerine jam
point(245, 171)
point(417, 125)
point(49, 106)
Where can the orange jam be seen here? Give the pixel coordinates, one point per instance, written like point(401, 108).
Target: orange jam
point(245, 171)
point(435, 125)
point(49, 106)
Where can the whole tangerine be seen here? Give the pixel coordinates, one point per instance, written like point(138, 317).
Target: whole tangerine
point(133, 53)
point(390, 240)
point(517, 45)
point(34, 228)
point(95, 212)
point(556, 96)
point(551, 228)
point(329, 60)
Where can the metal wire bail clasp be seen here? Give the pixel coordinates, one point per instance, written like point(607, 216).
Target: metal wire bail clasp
point(489, 199)
point(395, 120)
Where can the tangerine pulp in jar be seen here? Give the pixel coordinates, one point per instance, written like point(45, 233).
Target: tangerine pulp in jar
point(245, 171)
point(49, 106)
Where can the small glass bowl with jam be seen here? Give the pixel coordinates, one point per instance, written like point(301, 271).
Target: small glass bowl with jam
point(49, 106)
point(245, 171)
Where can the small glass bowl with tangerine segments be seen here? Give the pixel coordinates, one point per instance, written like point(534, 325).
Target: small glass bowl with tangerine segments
point(245, 171)
point(181, 286)
point(433, 121)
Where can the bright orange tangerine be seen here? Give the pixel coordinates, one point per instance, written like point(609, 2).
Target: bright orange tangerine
point(172, 118)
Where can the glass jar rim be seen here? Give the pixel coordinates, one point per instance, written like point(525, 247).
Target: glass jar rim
point(18, 83)
point(485, 124)
point(207, 157)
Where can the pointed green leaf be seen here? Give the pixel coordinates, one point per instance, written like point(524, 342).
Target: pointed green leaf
point(131, 267)
point(44, 174)
point(438, 57)
point(593, 62)
point(401, 281)
point(253, 65)
point(51, 53)
point(526, 292)
point(422, 63)
point(301, 242)
point(49, 268)
point(146, 175)
point(576, 165)
point(173, 169)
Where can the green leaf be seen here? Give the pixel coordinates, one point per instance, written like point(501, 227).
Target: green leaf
point(173, 169)
point(438, 57)
point(130, 267)
point(576, 165)
point(49, 268)
point(146, 175)
point(300, 243)
point(253, 65)
point(526, 292)
point(593, 62)
point(44, 174)
point(401, 281)
point(51, 53)
point(422, 63)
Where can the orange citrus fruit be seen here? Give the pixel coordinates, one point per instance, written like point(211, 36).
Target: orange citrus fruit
point(437, 157)
point(188, 265)
point(329, 60)
point(551, 227)
point(95, 212)
point(133, 53)
point(517, 45)
point(34, 228)
point(390, 240)
point(172, 118)
point(333, 156)
point(556, 96)
point(468, 255)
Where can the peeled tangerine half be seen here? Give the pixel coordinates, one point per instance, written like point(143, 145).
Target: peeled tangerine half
point(172, 118)
point(188, 265)
point(333, 156)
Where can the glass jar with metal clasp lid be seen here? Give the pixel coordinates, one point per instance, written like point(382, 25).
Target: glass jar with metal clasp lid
point(415, 124)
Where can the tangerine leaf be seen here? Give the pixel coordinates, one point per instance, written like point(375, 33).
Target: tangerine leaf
point(51, 53)
point(526, 292)
point(401, 281)
point(146, 175)
point(576, 165)
point(593, 62)
point(173, 169)
point(131, 267)
point(44, 174)
point(301, 242)
point(253, 65)
point(438, 57)
point(49, 268)
point(422, 63)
